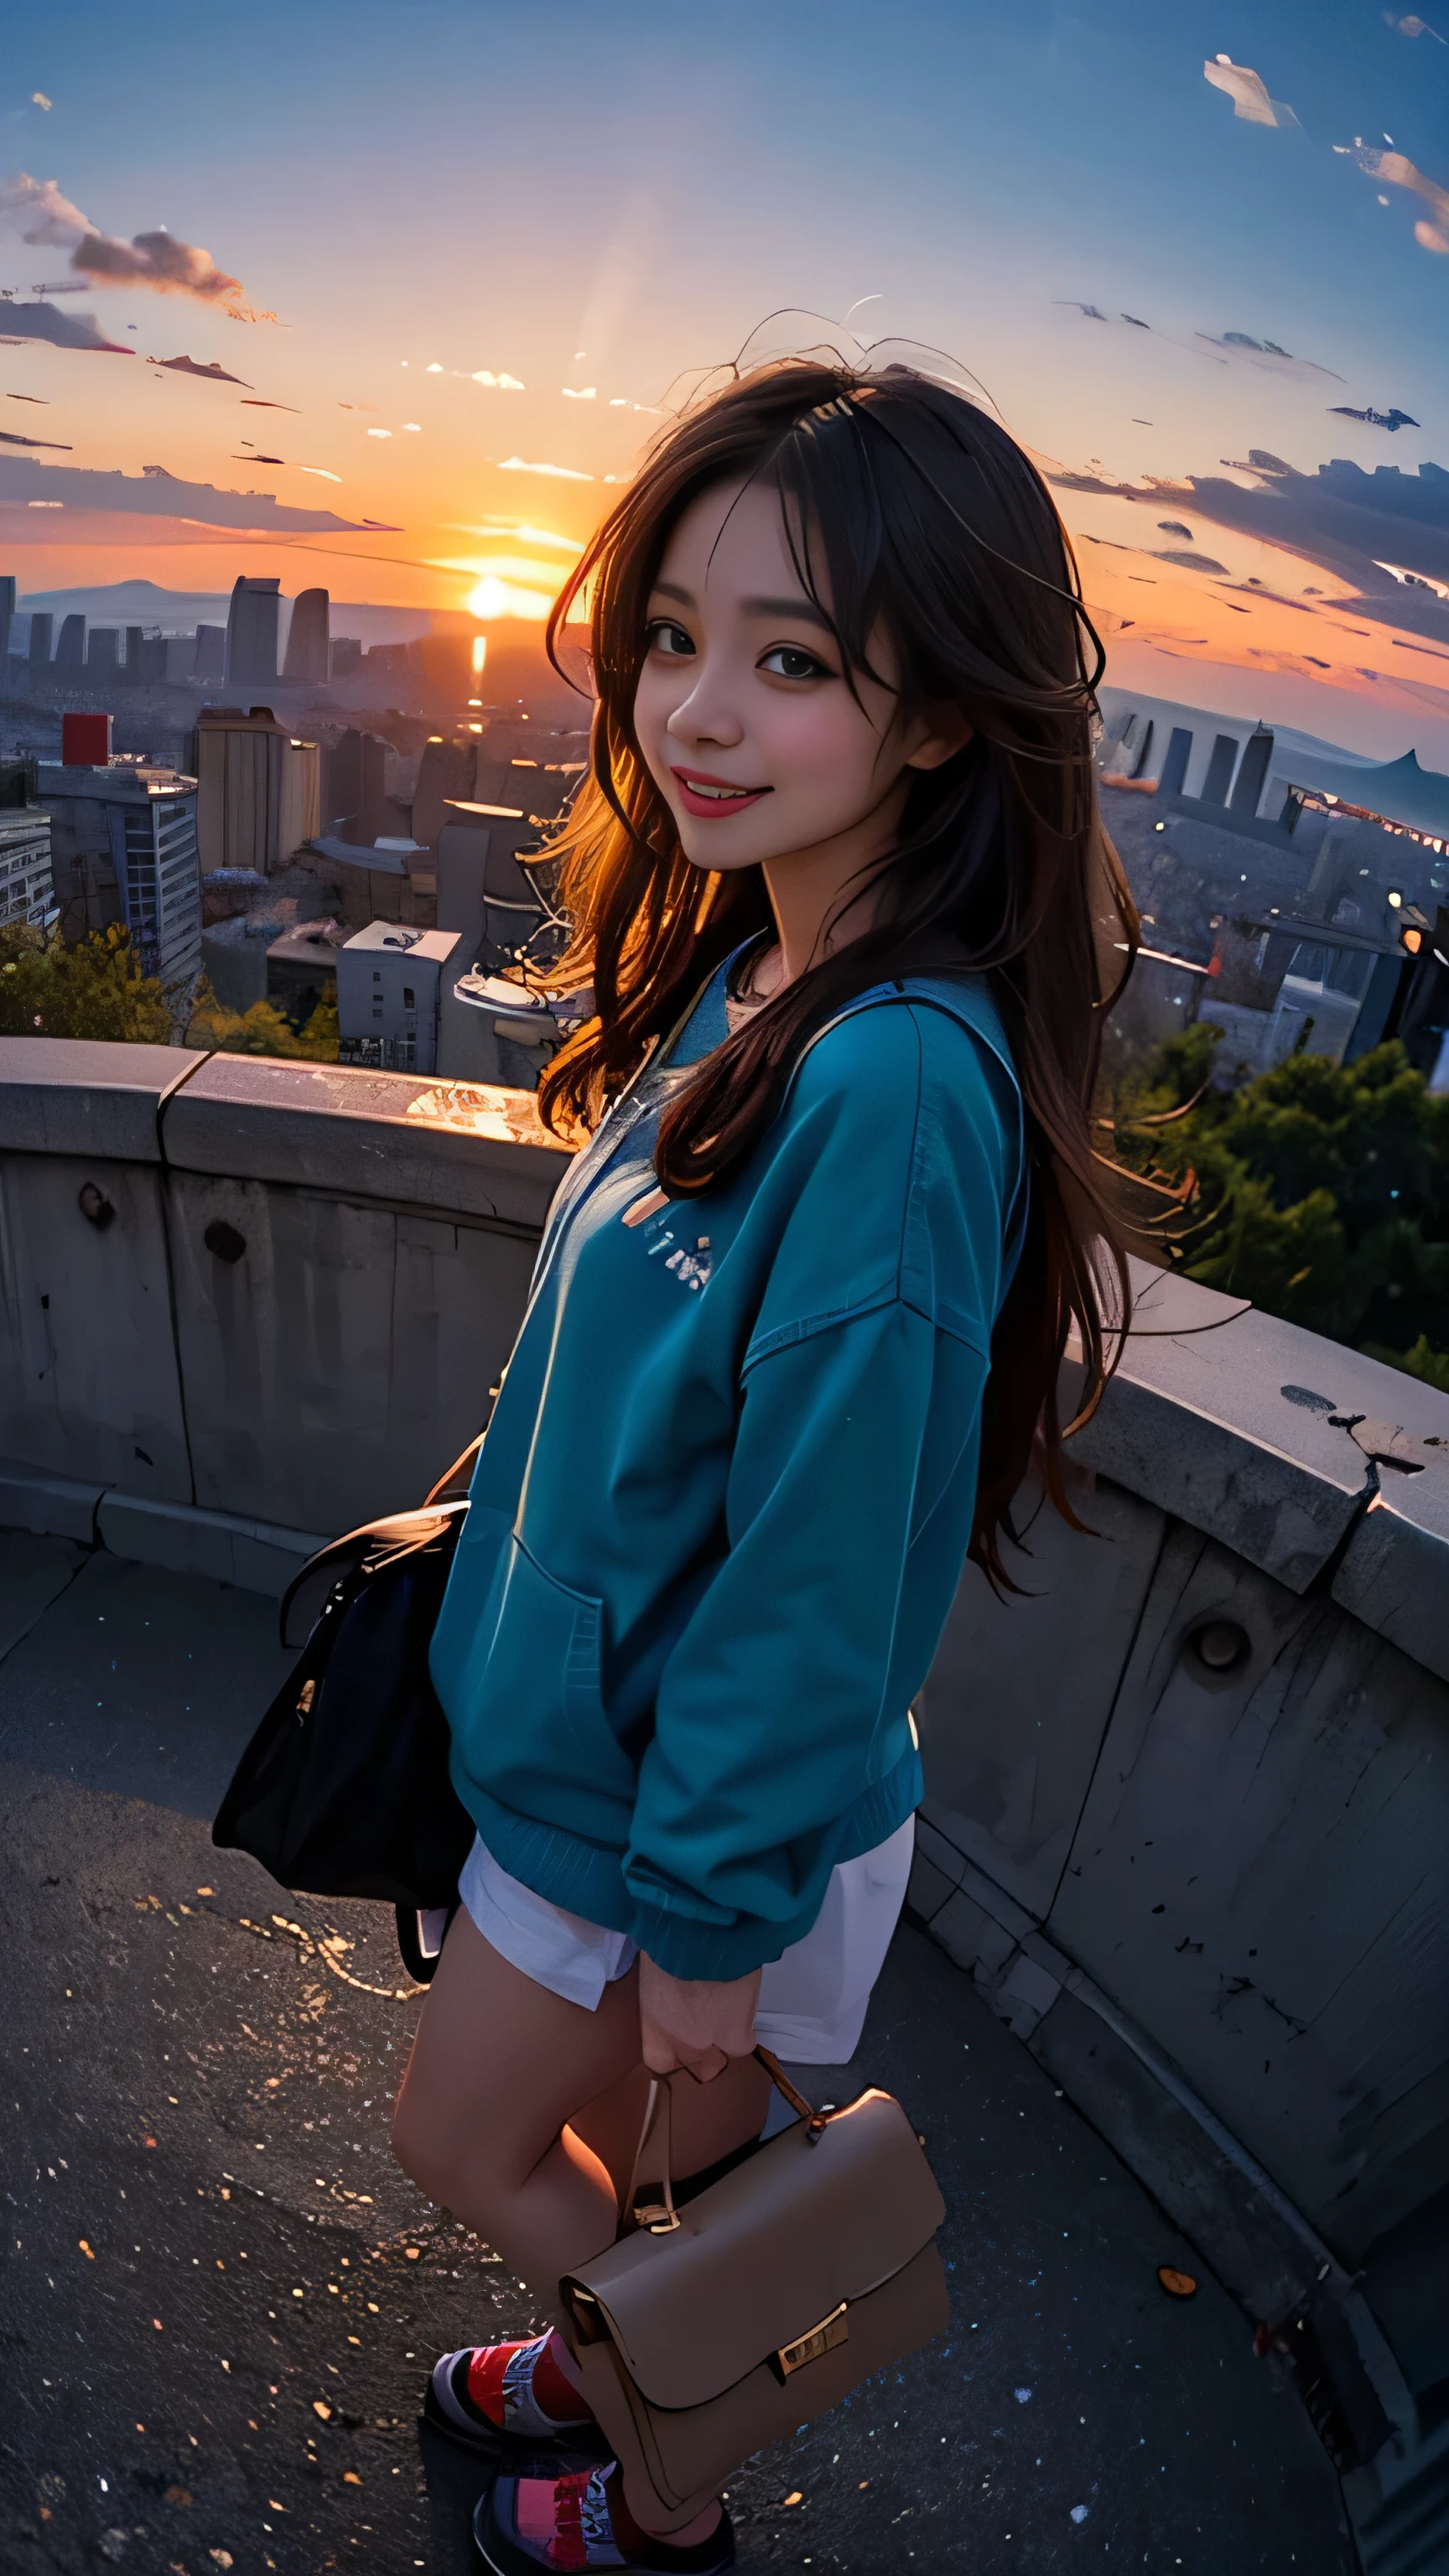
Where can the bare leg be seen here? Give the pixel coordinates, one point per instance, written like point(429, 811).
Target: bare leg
point(484, 2120)
point(708, 2120)
point(498, 2066)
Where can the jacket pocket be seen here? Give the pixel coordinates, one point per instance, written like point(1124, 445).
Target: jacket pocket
point(542, 1680)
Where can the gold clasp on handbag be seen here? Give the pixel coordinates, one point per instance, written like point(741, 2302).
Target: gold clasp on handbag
point(659, 2216)
point(832, 2330)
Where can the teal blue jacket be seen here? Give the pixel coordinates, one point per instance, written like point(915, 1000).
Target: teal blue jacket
point(727, 1489)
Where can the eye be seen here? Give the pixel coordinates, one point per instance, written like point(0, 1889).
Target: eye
point(663, 636)
point(792, 662)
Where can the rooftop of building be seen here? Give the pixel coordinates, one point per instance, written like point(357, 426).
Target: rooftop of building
point(435, 945)
point(123, 775)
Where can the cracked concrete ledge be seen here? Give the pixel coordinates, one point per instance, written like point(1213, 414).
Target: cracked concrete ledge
point(450, 1146)
point(81, 1096)
point(256, 1556)
point(1277, 1443)
point(471, 1149)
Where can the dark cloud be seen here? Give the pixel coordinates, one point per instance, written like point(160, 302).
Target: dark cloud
point(157, 494)
point(1376, 419)
point(12, 438)
point(217, 375)
point(63, 330)
point(1355, 523)
point(253, 402)
point(1188, 562)
point(1266, 356)
point(157, 260)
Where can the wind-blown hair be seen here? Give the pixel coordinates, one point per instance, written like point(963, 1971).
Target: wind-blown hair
point(911, 514)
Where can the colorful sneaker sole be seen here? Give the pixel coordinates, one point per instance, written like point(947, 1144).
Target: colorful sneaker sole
point(519, 2456)
point(500, 2549)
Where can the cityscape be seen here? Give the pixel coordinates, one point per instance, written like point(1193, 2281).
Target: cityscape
point(327, 342)
point(1294, 894)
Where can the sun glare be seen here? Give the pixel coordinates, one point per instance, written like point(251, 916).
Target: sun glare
point(494, 597)
point(508, 585)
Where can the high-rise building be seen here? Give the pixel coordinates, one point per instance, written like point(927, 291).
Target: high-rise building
point(26, 889)
point(102, 649)
point(123, 842)
point(7, 612)
point(356, 786)
point(259, 790)
point(41, 627)
point(210, 663)
point(345, 656)
point(445, 772)
point(251, 631)
point(135, 641)
point(307, 637)
point(70, 647)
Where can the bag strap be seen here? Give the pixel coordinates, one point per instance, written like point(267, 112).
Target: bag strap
point(661, 2217)
point(459, 1476)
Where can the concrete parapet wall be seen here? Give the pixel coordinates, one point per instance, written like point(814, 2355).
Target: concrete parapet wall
point(267, 1290)
point(1187, 1795)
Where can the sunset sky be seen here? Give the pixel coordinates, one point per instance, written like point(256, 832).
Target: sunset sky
point(599, 203)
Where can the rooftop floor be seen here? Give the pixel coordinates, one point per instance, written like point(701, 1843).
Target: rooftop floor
point(199, 2088)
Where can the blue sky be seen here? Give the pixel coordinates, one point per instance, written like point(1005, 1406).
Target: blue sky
point(494, 188)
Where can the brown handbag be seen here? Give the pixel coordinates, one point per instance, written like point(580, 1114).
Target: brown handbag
point(709, 2330)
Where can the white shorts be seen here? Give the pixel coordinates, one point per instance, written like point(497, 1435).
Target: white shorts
point(812, 1999)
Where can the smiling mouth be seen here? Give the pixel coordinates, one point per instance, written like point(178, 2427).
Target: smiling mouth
point(704, 795)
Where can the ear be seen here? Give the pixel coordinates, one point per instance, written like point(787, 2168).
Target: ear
point(947, 732)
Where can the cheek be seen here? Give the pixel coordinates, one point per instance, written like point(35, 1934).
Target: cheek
point(823, 744)
point(661, 688)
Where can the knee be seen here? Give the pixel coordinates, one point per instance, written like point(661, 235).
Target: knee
point(421, 2148)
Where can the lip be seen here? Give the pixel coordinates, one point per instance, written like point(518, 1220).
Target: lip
point(690, 781)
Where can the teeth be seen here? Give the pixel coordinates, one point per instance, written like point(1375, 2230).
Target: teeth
point(696, 788)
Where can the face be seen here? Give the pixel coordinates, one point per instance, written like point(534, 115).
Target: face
point(742, 711)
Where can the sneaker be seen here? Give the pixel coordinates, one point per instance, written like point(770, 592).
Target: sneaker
point(524, 2524)
point(482, 2398)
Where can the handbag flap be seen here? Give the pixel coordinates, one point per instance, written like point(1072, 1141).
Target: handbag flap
point(767, 2253)
point(397, 1535)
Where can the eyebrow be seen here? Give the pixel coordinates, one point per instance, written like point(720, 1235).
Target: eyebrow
point(801, 610)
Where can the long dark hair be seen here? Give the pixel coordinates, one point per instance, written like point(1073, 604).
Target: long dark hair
point(907, 508)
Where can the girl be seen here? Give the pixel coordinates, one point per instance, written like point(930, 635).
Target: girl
point(793, 1340)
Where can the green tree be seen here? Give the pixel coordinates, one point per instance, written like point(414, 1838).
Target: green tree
point(1322, 1189)
point(96, 990)
point(264, 1030)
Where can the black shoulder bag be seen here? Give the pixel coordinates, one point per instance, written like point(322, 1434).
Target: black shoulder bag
point(344, 1788)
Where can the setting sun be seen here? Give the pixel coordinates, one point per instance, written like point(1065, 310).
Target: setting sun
point(494, 597)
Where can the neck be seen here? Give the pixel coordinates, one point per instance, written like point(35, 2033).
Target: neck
point(826, 896)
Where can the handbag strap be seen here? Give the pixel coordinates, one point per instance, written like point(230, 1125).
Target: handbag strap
point(661, 2217)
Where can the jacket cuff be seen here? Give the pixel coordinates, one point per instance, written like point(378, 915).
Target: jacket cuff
point(719, 1952)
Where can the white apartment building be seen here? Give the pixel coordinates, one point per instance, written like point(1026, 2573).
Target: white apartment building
point(389, 995)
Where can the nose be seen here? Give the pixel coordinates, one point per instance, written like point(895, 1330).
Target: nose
point(707, 714)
